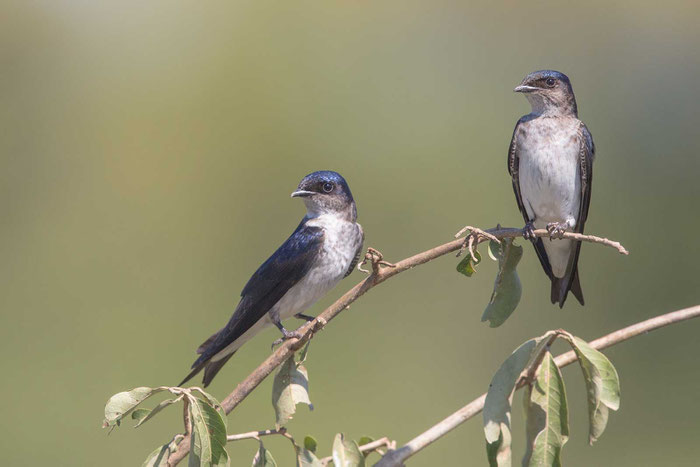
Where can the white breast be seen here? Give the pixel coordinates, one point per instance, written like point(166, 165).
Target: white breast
point(341, 240)
point(549, 171)
point(550, 182)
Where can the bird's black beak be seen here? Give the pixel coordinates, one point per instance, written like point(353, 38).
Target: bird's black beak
point(302, 194)
point(525, 88)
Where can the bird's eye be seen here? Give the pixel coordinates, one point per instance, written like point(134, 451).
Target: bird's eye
point(327, 187)
point(550, 82)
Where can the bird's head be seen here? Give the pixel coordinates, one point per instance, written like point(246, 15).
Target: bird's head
point(326, 192)
point(549, 93)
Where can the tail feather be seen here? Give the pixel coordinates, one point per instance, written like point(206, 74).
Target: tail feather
point(210, 370)
point(562, 286)
point(204, 362)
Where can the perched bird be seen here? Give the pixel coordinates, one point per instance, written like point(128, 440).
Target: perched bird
point(323, 249)
point(551, 162)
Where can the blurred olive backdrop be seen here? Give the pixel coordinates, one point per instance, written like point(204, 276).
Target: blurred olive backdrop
point(149, 149)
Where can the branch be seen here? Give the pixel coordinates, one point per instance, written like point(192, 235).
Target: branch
point(257, 434)
point(420, 442)
point(378, 275)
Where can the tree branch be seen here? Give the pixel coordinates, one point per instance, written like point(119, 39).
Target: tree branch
point(379, 275)
point(397, 457)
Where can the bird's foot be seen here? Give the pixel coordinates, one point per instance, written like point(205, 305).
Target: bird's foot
point(529, 232)
point(304, 317)
point(376, 258)
point(474, 237)
point(286, 335)
point(557, 229)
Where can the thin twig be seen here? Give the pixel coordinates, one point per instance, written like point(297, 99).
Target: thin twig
point(378, 276)
point(397, 457)
point(256, 434)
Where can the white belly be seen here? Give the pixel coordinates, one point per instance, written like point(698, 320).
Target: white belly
point(550, 182)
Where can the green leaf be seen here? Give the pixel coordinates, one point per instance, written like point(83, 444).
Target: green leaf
point(263, 458)
point(139, 415)
point(497, 406)
point(494, 249)
point(208, 445)
point(507, 289)
point(364, 440)
point(468, 264)
point(547, 416)
point(346, 453)
point(602, 384)
point(213, 402)
point(307, 458)
point(146, 414)
point(290, 387)
point(122, 404)
point(310, 443)
point(159, 457)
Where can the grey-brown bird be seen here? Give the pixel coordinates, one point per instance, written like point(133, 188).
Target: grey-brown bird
point(550, 160)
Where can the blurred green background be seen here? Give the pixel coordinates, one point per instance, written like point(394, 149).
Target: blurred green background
point(149, 149)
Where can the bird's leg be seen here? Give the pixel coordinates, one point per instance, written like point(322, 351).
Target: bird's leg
point(286, 335)
point(304, 317)
point(529, 231)
point(557, 229)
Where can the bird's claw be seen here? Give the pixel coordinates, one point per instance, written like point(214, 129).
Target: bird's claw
point(376, 258)
point(286, 335)
point(557, 229)
point(529, 232)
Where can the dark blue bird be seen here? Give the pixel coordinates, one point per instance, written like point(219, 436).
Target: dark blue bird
point(323, 249)
point(550, 160)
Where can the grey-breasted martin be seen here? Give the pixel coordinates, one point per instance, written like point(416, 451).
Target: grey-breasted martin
point(551, 162)
point(323, 249)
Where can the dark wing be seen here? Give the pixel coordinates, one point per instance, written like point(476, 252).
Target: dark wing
point(358, 253)
point(513, 165)
point(586, 156)
point(287, 266)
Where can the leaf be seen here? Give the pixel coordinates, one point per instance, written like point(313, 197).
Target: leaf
point(497, 406)
point(494, 249)
point(208, 445)
point(147, 414)
point(364, 440)
point(159, 457)
point(346, 453)
point(602, 384)
point(507, 289)
point(290, 387)
point(468, 264)
point(308, 458)
point(213, 402)
point(547, 416)
point(310, 443)
point(263, 458)
point(122, 404)
point(140, 415)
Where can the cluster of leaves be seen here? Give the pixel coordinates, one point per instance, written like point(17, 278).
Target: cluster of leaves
point(209, 425)
point(207, 418)
point(507, 289)
point(546, 408)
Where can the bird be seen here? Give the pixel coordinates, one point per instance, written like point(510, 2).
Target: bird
point(324, 248)
point(550, 160)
